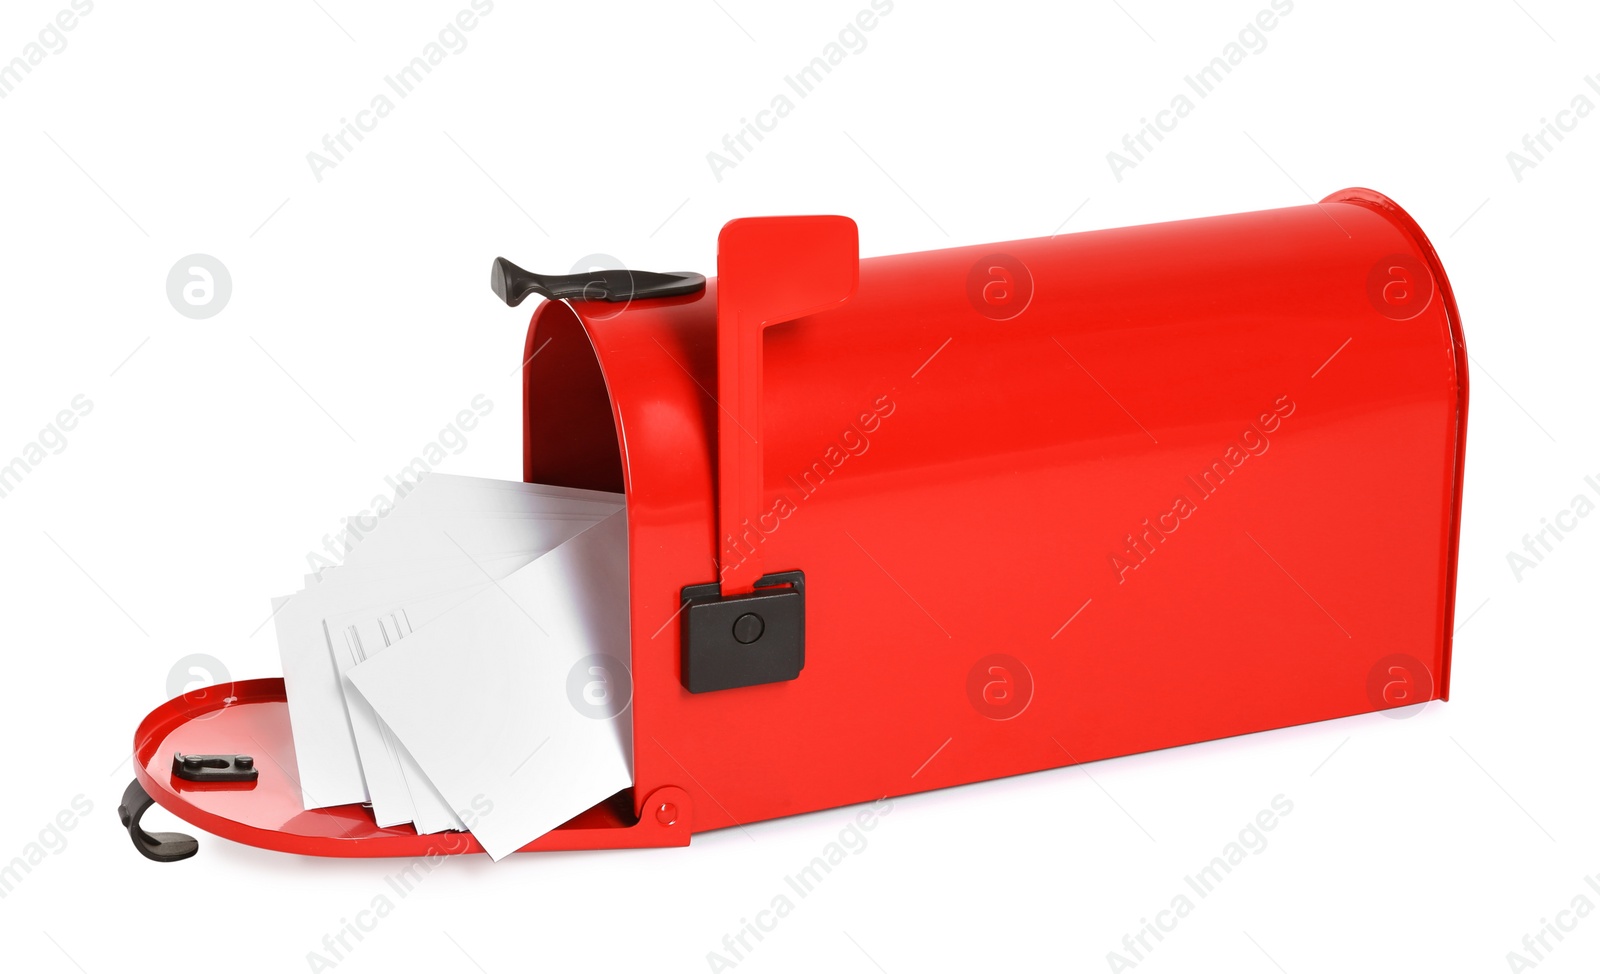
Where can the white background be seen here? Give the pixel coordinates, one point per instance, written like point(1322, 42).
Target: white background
point(220, 451)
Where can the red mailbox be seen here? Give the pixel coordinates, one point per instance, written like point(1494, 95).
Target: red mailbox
point(916, 521)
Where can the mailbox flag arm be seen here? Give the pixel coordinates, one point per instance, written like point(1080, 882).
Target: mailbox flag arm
point(769, 270)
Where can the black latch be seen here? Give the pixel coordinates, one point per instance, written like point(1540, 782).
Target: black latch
point(214, 767)
point(512, 284)
point(744, 640)
point(156, 846)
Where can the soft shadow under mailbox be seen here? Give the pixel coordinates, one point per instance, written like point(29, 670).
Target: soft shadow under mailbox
point(908, 522)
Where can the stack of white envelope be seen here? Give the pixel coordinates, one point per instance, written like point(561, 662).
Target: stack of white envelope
point(465, 667)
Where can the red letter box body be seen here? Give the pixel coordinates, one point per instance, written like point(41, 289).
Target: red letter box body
point(1052, 501)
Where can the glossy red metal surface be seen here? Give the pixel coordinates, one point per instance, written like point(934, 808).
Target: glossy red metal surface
point(1056, 500)
point(769, 270)
point(251, 717)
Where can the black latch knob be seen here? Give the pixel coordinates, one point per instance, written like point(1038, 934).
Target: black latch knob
point(748, 628)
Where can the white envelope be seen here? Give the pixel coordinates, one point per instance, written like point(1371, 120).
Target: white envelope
point(488, 519)
point(448, 494)
point(494, 699)
point(324, 740)
point(397, 788)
